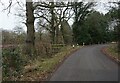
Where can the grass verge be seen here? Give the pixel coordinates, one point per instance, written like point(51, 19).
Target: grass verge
point(42, 68)
point(112, 52)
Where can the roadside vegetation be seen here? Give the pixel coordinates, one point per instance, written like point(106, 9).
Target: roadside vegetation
point(112, 51)
point(34, 54)
point(44, 67)
point(35, 70)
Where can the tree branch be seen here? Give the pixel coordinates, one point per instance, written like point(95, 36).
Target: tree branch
point(42, 17)
point(49, 6)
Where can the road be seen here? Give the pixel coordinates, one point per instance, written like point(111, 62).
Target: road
point(87, 64)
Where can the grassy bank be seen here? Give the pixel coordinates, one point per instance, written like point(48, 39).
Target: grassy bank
point(112, 51)
point(41, 68)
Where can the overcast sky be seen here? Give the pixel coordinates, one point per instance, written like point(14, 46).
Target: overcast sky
point(10, 21)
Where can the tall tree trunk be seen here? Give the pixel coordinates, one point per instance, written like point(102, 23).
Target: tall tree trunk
point(30, 39)
point(52, 23)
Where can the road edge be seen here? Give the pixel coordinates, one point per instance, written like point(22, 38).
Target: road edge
point(115, 59)
point(59, 64)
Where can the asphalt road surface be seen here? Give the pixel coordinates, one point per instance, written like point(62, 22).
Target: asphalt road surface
point(87, 64)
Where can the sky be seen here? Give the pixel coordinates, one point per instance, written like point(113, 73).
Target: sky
point(9, 21)
point(6, 21)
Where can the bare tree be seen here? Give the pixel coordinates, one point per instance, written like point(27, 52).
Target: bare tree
point(53, 13)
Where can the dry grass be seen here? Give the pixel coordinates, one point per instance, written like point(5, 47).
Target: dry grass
point(41, 68)
point(112, 51)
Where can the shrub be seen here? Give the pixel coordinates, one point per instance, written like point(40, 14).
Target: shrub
point(12, 63)
point(43, 49)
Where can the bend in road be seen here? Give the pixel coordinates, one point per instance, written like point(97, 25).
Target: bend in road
point(87, 64)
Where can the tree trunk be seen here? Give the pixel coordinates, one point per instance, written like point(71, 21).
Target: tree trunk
point(30, 39)
point(52, 23)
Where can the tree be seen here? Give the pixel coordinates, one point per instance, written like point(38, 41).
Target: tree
point(30, 39)
point(98, 27)
point(52, 14)
point(66, 32)
point(81, 11)
point(95, 29)
point(114, 13)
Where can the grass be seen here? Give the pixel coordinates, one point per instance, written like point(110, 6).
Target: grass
point(41, 68)
point(112, 51)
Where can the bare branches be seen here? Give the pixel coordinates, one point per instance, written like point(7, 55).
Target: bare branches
point(20, 4)
point(60, 11)
point(20, 15)
point(49, 6)
point(42, 16)
point(12, 3)
point(9, 6)
point(47, 28)
point(70, 15)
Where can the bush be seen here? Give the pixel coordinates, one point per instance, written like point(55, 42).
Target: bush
point(12, 63)
point(43, 49)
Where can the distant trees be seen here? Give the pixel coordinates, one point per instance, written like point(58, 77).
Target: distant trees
point(52, 17)
point(81, 11)
point(6, 37)
point(95, 29)
point(52, 14)
point(20, 35)
point(13, 37)
point(114, 15)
